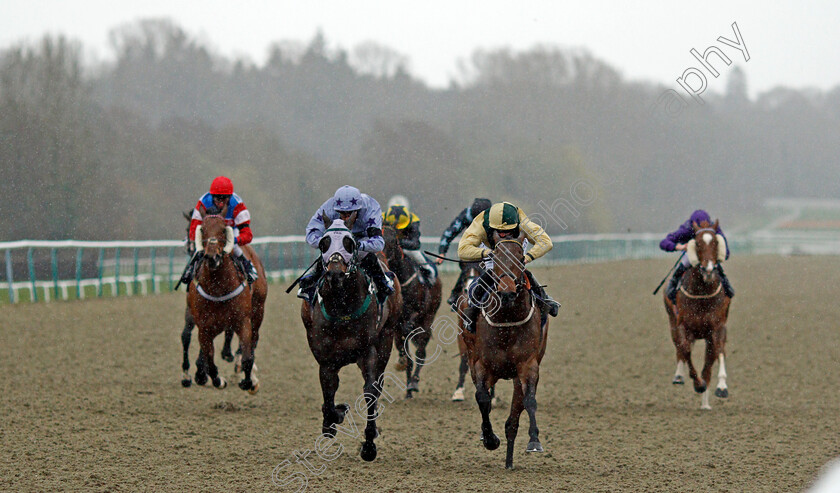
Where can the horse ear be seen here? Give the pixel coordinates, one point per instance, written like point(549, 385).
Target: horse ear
point(717, 223)
point(224, 210)
point(349, 244)
point(188, 215)
point(351, 220)
point(202, 211)
point(496, 237)
point(694, 225)
point(326, 219)
point(324, 244)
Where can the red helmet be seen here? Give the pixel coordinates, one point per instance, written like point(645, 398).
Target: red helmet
point(221, 186)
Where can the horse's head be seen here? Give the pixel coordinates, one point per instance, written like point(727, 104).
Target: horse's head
point(338, 250)
point(214, 239)
point(706, 249)
point(393, 250)
point(509, 266)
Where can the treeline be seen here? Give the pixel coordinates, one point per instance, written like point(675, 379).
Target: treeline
point(118, 151)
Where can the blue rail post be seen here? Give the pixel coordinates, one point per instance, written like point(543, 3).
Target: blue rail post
point(171, 262)
point(153, 260)
point(31, 274)
point(136, 283)
point(54, 265)
point(9, 279)
point(116, 272)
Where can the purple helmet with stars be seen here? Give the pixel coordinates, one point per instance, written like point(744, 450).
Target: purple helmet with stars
point(347, 198)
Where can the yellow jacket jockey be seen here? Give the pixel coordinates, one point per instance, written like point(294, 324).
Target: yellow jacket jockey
point(407, 225)
point(476, 244)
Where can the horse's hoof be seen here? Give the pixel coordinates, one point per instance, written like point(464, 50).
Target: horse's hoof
point(678, 380)
point(409, 395)
point(186, 382)
point(700, 388)
point(413, 387)
point(706, 407)
point(255, 386)
point(400, 365)
point(491, 443)
point(458, 396)
point(200, 379)
point(227, 356)
point(722, 393)
point(341, 411)
point(368, 452)
point(508, 466)
point(534, 447)
point(495, 402)
point(219, 383)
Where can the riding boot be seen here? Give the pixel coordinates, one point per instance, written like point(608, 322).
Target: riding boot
point(384, 283)
point(248, 268)
point(477, 295)
point(189, 270)
point(309, 283)
point(545, 302)
point(727, 286)
point(671, 290)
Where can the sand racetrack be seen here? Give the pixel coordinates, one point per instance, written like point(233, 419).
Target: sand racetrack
point(91, 398)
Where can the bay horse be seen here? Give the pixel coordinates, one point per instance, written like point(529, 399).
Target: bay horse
point(420, 304)
point(509, 343)
point(346, 325)
point(189, 321)
point(701, 311)
point(219, 299)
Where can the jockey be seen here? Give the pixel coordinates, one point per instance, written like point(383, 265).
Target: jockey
point(407, 225)
point(237, 216)
point(459, 224)
point(367, 230)
point(507, 220)
point(677, 241)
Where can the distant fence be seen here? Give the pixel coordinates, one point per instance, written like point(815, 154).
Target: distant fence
point(47, 270)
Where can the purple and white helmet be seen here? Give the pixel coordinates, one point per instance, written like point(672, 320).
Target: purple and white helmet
point(347, 198)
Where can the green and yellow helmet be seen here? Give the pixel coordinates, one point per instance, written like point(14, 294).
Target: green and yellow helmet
point(503, 216)
point(397, 216)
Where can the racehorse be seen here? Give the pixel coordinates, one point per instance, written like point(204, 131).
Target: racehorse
point(701, 311)
point(420, 304)
point(471, 273)
point(220, 298)
point(346, 325)
point(189, 322)
point(509, 343)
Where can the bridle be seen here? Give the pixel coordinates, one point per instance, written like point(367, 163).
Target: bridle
point(519, 281)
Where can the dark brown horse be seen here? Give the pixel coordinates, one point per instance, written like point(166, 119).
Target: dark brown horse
point(219, 298)
point(701, 311)
point(420, 304)
point(189, 322)
point(508, 344)
point(346, 325)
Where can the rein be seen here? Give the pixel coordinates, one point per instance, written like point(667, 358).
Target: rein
point(701, 296)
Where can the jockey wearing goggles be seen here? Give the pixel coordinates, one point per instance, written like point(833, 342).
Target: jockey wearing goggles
point(407, 225)
point(237, 216)
point(676, 241)
point(367, 230)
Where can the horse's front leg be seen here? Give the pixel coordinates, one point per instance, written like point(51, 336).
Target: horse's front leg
point(684, 353)
point(421, 340)
point(205, 340)
point(458, 395)
point(531, 379)
point(712, 352)
point(250, 382)
point(720, 337)
point(186, 336)
point(372, 391)
point(483, 382)
point(332, 414)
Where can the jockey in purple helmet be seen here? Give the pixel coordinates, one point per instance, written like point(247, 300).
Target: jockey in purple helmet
point(367, 230)
point(677, 240)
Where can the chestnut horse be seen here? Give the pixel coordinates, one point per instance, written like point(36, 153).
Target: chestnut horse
point(508, 344)
point(219, 298)
point(346, 325)
point(471, 273)
point(420, 304)
point(189, 322)
point(701, 311)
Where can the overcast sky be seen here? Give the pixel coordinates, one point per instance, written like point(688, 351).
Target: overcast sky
point(789, 43)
